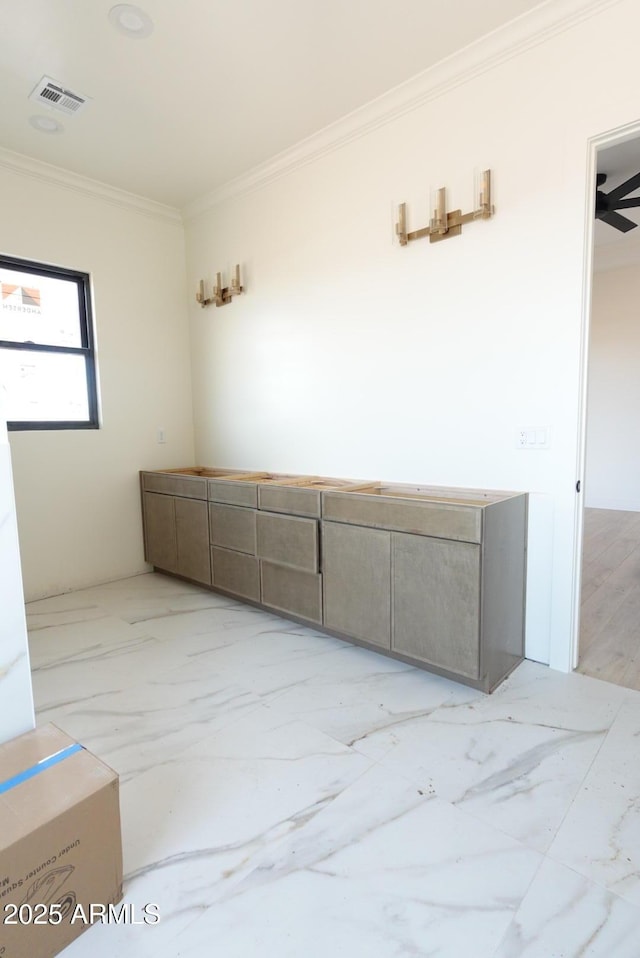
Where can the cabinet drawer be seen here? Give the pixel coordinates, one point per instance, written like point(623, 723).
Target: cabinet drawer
point(238, 492)
point(290, 499)
point(190, 487)
point(288, 540)
point(232, 527)
point(291, 590)
point(236, 572)
point(436, 602)
point(444, 520)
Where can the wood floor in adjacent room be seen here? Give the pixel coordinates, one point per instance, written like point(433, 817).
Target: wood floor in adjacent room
point(610, 611)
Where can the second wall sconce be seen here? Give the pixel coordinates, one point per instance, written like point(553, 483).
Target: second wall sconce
point(442, 225)
point(221, 295)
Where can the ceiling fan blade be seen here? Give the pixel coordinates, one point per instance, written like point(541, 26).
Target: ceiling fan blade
point(618, 222)
point(627, 204)
point(627, 187)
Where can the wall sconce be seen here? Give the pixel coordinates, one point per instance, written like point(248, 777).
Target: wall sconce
point(438, 223)
point(442, 225)
point(221, 295)
point(200, 297)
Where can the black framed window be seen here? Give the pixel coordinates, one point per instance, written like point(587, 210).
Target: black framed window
point(47, 359)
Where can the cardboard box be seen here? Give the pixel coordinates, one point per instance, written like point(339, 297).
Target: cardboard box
point(60, 842)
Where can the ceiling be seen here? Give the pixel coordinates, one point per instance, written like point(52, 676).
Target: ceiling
point(220, 86)
point(620, 163)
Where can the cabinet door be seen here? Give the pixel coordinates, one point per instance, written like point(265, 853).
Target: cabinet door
point(436, 602)
point(192, 533)
point(160, 542)
point(356, 567)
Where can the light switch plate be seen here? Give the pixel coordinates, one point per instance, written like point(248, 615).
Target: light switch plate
point(532, 437)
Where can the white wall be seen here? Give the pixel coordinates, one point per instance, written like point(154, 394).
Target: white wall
point(351, 356)
point(613, 451)
point(77, 492)
point(16, 698)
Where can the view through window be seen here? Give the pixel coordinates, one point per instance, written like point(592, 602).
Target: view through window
point(47, 361)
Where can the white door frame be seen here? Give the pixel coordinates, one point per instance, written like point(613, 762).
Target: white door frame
point(594, 144)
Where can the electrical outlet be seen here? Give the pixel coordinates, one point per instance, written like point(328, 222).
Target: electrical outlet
point(161, 436)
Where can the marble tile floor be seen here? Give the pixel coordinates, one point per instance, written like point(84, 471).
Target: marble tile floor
point(285, 794)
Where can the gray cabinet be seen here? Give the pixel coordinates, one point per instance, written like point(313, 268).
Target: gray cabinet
point(266, 557)
point(356, 566)
point(430, 575)
point(455, 562)
point(232, 531)
point(176, 535)
point(436, 602)
point(287, 546)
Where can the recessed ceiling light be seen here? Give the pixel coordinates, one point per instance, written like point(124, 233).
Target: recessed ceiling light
point(46, 124)
point(131, 20)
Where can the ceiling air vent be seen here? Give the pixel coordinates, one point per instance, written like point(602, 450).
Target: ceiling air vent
point(52, 94)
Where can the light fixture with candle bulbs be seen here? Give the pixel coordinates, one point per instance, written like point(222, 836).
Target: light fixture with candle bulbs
point(443, 225)
point(221, 295)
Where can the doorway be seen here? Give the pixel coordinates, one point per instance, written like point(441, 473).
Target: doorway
point(609, 595)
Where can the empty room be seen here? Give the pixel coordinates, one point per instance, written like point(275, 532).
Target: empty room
point(320, 538)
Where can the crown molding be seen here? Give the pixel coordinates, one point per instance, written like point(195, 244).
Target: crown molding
point(47, 173)
point(511, 40)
